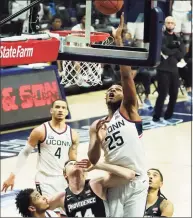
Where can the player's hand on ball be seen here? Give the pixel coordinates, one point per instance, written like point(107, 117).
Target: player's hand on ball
point(8, 183)
point(117, 33)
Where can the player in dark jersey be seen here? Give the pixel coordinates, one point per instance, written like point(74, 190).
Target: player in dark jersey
point(87, 198)
point(30, 203)
point(157, 204)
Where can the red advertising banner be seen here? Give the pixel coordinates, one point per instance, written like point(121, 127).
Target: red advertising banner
point(28, 52)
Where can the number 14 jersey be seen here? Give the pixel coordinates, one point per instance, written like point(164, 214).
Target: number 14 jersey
point(85, 204)
point(53, 150)
point(122, 144)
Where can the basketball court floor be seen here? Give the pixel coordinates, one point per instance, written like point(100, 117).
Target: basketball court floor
point(168, 148)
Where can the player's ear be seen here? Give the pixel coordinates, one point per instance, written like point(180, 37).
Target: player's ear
point(66, 178)
point(31, 208)
point(64, 173)
point(51, 110)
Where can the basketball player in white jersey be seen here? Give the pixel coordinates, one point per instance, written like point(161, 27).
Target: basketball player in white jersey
point(56, 143)
point(87, 198)
point(121, 142)
point(30, 203)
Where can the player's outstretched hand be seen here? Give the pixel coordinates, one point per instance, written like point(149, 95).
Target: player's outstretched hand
point(92, 167)
point(8, 183)
point(101, 130)
point(117, 33)
point(85, 163)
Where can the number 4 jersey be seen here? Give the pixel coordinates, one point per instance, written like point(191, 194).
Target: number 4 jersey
point(122, 145)
point(85, 204)
point(53, 150)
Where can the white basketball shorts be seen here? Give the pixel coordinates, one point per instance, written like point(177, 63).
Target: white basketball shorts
point(128, 200)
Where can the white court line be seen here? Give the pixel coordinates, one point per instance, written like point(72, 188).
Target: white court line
point(182, 114)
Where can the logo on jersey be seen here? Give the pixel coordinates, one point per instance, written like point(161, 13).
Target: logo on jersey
point(88, 192)
point(68, 197)
point(117, 116)
point(155, 210)
point(81, 203)
point(115, 126)
point(57, 142)
point(50, 137)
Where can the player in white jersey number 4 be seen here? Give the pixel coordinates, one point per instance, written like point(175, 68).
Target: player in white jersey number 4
point(119, 136)
point(56, 143)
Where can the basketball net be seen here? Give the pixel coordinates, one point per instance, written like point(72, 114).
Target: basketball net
point(83, 73)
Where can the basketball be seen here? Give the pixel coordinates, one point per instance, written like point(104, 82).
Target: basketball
point(108, 7)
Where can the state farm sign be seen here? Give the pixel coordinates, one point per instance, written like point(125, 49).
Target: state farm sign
point(28, 52)
point(15, 52)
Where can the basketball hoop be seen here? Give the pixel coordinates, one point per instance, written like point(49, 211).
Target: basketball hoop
point(82, 73)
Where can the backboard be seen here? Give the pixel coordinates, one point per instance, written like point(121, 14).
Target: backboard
point(146, 51)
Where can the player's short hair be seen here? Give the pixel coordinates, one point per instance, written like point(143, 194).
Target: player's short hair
point(161, 175)
point(56, 101)
point(64, 170)
point(23, 201)
point(116, 84)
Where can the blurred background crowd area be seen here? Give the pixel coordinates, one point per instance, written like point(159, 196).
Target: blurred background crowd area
point(62, 14)
point(70, 15)
point(53, 14)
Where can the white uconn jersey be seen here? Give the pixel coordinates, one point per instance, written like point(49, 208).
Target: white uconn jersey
point(122, 145)
point(53, 151)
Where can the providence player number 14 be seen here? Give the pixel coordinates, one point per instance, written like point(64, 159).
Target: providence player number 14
point(88, 213)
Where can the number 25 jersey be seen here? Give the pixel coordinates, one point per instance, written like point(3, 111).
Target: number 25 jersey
point(122, 144)
point(53, 151)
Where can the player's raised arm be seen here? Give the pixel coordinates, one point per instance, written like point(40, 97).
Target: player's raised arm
point(57, 201)
point(123, 172)
point(94, 151)
point(117, 176)
point(75, 142)
point(97, 135)
point(129, 104)
point(120, 171)
point(36, 135)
